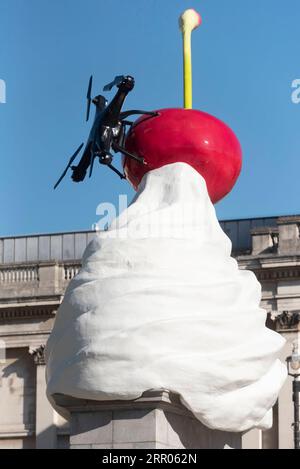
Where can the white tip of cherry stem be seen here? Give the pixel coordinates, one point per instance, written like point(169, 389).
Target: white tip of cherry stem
point(189, 20)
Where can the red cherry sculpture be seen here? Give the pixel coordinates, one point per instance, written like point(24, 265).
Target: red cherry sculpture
point(188, 136)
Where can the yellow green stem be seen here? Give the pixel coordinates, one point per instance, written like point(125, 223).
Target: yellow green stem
point(187, 69)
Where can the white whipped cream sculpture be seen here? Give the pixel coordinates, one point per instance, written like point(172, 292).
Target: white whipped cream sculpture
point(159, 303)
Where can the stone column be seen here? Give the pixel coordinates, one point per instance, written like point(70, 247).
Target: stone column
point(156, 420)
point(45, 428)
point(287, 323)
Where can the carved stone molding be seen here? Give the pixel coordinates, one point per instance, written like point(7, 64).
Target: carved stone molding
point(287, 321)
point(289, 219)
point(27, 312)
point(38, 354)
point(271, 274)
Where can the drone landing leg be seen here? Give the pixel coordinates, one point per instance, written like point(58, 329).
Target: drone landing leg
point(116, 171)
point(117, 148)
point(126, 114)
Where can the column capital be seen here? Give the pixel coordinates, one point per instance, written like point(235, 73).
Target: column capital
point(38, 354)
point(287, 321)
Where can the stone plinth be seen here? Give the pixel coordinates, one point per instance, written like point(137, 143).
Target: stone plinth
point(156, 420)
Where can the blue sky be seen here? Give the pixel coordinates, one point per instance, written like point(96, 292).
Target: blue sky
point(245, 57)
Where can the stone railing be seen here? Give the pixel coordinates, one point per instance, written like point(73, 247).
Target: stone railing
point(70, 270)
point(17, 274)
point(44, 282)
point(28, 273)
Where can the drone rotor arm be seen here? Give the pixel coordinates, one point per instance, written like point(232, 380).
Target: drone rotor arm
point(117, 80)
point(117, 148)
point(116, 171)
point(80, 170)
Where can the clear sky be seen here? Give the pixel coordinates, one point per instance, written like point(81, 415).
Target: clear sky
point(245, 57)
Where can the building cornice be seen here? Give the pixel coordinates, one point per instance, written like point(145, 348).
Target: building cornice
point(290, 219)
point(274, 267)
point(28, 311)
point(34, 300)
point(267, 259)
point(277, 274)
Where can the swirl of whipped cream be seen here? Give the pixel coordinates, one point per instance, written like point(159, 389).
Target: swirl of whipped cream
point(160, 304)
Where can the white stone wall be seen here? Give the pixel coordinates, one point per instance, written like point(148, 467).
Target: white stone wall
point(17, 402)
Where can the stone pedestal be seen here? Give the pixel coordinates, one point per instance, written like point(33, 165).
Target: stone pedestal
point(156, 420)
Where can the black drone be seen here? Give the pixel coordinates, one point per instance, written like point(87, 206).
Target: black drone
point(108, 132)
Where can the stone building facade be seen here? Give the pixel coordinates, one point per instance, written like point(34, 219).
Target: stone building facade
point(34, 273)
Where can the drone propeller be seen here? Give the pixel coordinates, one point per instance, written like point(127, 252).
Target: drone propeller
point(118, 79)
point(88, 97)
point(69, 164)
